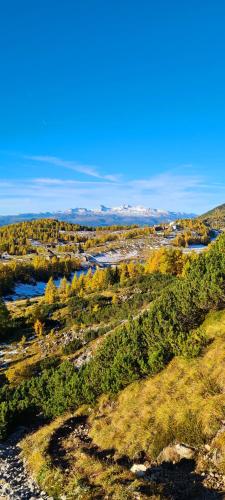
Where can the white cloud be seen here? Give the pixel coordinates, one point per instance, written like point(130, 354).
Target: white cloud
point(189, 193)
point(71, 165)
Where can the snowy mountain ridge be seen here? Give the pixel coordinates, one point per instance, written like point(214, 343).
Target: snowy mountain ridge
point(128, 210)
point(124, 214)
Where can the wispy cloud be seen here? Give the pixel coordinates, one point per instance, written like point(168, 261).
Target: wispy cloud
point(169, 190)
point(71, 165)
point(177, 189)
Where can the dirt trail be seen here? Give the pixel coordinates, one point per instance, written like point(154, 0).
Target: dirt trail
point(174, 481)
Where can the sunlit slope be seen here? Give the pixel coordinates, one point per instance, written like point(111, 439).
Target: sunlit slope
point(184, 402)
point(215, 217)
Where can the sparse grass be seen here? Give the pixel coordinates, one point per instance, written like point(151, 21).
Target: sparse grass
point(85, 477)
point(22, 370)
point(34, 450)
point(218, 445)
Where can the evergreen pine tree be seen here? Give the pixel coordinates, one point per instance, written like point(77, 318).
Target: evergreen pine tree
point(4, 319)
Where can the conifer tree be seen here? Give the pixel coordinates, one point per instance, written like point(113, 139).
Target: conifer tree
point(51, 292)
point(39, 328)
point(74, 284)
point(81, 283)
point(4, 319)
point(63, 288)
point(88, 280)
point(124, 274)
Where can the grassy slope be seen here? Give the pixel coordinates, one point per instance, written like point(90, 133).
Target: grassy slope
point(215, 217)
point(185, 402)
point(219, 209)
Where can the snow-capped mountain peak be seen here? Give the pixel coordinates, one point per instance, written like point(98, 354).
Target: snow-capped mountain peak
point(122, 214)
point(130, 210)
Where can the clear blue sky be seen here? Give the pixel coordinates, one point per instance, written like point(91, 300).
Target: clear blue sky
point(112, 101)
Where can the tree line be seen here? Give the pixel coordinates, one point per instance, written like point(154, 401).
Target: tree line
point(16, 238)
point(39, 269)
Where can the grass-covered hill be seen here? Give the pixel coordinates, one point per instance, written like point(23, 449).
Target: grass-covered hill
point(215, 217)
point(156, 379)
point(183, 403)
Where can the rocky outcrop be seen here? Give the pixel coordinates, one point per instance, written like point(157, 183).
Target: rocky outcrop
point(176, 452)
point(186, 471)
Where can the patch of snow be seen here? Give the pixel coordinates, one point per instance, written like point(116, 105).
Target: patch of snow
point(28, 290)
point(114, 257)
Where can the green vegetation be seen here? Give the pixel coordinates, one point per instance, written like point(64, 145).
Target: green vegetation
point(39, 268)
point(192, 232)
point(215, 218)
point(184, 402)
point(119, 362)
point(142, 347)
point(16, 238)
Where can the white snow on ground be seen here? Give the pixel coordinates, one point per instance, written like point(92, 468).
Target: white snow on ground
point(12, 353)
point(114, 257)
point(26, 290)
point(194, 248)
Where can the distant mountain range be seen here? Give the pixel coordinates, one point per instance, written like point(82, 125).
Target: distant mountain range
point(125, 214)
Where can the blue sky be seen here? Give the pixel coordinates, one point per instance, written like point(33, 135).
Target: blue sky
point(111, 102)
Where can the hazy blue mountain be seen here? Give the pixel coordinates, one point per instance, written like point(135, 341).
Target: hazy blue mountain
point(124, 214)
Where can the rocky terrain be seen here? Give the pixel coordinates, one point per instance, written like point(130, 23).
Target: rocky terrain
point(15, 481)
point(175, 475)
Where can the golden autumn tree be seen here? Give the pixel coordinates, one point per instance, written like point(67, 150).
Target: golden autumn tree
point(166, 261)
point(132, 269)
point(75, 284)
point(64, 289)
point(39, 328)
point(88, 280)
point(124, 274)
point(98, 279)
point(51, 292)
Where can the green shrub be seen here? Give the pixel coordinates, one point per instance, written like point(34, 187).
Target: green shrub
point(72, 346)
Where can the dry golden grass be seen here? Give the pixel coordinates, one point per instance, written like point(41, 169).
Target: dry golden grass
point(186, 401)
point(23, 369)
point(34, 450)
point(86, 477)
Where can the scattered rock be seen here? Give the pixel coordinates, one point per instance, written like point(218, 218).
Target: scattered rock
point(15, 482)
point(175, 453)
point(139, 469)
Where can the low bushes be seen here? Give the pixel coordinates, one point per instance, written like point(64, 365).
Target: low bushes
point(142, 347)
